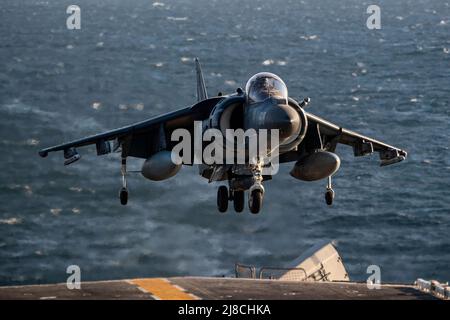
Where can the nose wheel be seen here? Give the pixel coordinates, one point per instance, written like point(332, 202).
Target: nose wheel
point(123, 194)
point(329, 194)
point(255, 201)
point(256, 192)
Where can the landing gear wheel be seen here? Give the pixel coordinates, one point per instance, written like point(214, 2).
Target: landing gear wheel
point(238, 200)
point(329, 196)
point(123, 195)
point(222, 198)
point(255, 201)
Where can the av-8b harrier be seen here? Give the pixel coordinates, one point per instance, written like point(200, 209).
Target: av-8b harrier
point(302, 137)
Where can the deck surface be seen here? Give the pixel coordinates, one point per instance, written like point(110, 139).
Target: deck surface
point(186, 288)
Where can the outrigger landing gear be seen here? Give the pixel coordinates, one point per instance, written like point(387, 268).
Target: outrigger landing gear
point(329, 194)
point(123, 194)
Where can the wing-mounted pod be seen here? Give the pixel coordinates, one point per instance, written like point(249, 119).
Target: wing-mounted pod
point(71, 155)
point(362, 148)
point(161, 165)
point(315, 166)
point(391, 156)
point(387, 156)
point(103, 147)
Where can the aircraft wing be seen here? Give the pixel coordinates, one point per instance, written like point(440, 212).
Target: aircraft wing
point(331, 134)
point(140, 139)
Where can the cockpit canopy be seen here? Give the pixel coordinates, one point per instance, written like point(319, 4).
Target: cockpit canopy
point(265, 85)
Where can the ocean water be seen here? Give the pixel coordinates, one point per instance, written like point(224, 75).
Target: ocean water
point(132, 60)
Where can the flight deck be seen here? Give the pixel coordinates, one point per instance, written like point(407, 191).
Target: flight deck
point(204, 288)
point(318, 274)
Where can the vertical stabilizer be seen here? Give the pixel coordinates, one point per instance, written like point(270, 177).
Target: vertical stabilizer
point(201, 88)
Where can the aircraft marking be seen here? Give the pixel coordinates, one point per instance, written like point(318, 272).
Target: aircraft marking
point(162, 289)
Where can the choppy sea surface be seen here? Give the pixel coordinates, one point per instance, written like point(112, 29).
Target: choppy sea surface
point(132, 60)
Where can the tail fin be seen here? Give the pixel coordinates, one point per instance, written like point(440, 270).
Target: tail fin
point(201, 88)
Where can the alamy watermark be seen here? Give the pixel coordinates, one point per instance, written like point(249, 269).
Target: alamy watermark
point(374, 280)
point(74, 280)
point(73, 22)
point(374, 20)
point(211, 147)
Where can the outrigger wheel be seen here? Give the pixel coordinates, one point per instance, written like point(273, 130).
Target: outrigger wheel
point(123, 195)
point(222, 198)
point(329, 194)
point(255, 201)
point(238, 200)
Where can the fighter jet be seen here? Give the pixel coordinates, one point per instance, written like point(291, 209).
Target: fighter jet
point(303, 138)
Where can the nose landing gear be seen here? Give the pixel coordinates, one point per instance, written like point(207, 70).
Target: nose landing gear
point(256, 192)
point(255, 200)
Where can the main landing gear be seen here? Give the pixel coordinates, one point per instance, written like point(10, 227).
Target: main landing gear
point(236, 193)
point(255, 199)
point(329, 194)
point(123, 194)
point(223, 196)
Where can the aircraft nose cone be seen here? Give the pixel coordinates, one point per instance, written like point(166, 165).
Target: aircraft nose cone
point(285, 119)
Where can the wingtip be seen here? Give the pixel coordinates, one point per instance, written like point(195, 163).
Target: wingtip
point(398, 159)
point(43, 153)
